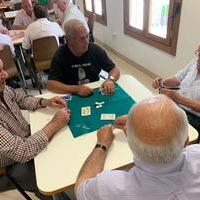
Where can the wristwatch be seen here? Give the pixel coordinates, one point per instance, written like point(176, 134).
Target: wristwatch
point(111, 78)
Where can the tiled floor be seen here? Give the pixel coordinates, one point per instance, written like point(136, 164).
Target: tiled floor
point(125, 69)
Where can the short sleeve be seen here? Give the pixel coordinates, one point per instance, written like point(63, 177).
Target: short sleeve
point(106, 63)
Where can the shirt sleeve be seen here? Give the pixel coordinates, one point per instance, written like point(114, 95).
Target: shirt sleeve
point(19, 149)
point(26, 44)
point(26, 102)
point(180, 75)
point(18, 20)
point(55, 72)
point(105, 62)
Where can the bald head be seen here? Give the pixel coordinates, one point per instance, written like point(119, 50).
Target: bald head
point(157, 124)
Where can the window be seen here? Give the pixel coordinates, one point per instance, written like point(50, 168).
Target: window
point(98, 7)
point(154, 22)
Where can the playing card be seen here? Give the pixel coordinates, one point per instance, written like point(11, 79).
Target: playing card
point(108, 116)
point(85, 111)
point(67, 97)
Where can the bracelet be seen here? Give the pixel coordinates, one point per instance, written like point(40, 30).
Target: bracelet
point(101, 146)
point(40, 103)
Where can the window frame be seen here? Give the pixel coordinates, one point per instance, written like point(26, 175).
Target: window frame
point(102, 19)
point(169, 44)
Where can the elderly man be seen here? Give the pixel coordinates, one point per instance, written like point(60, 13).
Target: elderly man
point(17, 146)
point(66, 10)
point(25, 16)
point(157, 133)
point(78, 62)
point(188, 97)
point(42, 27)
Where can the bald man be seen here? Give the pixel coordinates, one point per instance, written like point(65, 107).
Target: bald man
point(25, 16)
point(157, 134)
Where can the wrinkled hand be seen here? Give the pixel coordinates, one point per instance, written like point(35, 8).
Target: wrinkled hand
point(105, 136)
point(108, 87)
point(54, 102)
point(61, 118)
point(121, 123)
point(84, 90)
point(172, 94)
point(156, 82)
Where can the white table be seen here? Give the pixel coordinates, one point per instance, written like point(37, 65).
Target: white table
point(57, 166)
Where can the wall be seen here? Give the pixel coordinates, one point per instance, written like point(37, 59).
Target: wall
point(145, 55)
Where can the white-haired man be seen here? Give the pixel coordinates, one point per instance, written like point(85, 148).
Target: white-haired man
point(157, 133)
point(66, 10)
point(187, 81)
point(79, 62)
point(25, 15)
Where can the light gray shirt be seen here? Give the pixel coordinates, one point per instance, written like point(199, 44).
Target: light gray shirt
point(39, 29)
point(189, 85)
point(179, 180)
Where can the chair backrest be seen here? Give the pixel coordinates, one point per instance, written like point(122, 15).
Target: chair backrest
point(8, 61)
point(43, 51)
point(18, 6)
point(2, 170)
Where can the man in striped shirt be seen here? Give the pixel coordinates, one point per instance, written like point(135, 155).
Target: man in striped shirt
point(17, 146)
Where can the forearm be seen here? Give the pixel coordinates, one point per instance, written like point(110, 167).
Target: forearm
point(194, 104)
point(171, 81)
point(115, 73)
point(19, 27)
point(58, 87)
point(92, 166)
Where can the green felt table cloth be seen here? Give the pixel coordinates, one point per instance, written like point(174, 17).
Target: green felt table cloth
point(119, 104)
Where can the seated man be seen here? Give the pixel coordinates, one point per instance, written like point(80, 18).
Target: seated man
point(40, 28)
point(165, 168)
point(25, 16)
point(66, 10)
point(79, 62)
point(187, 81)
point(17, 146)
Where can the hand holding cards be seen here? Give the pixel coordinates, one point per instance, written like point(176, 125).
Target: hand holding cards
point(170, 87)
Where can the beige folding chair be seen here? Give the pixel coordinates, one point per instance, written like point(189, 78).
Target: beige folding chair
point(43, 52)
point(11, 65)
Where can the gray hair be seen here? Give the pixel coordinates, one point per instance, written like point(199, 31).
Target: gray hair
point(159, 153)
point(70, 28)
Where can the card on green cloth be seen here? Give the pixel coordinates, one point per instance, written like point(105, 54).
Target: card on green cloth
point(119, 104)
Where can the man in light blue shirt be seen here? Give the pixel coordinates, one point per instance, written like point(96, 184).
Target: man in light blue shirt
point(157, 132)
point(187, 97)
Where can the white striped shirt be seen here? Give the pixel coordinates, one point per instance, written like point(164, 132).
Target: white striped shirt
point(179, 180)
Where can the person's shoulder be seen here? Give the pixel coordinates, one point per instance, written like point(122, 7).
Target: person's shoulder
point(193, 149)
point(62, 51)
point(95, 47)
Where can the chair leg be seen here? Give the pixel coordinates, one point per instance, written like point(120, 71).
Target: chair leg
point(19, 188)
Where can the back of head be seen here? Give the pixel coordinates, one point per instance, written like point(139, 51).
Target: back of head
point(40, 11)
point(71, 28)
point(157, 130)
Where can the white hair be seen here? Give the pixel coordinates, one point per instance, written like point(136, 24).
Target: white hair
point(70, 28)
point(159, 153)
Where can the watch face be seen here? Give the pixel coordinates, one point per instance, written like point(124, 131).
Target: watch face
point(112, 78)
